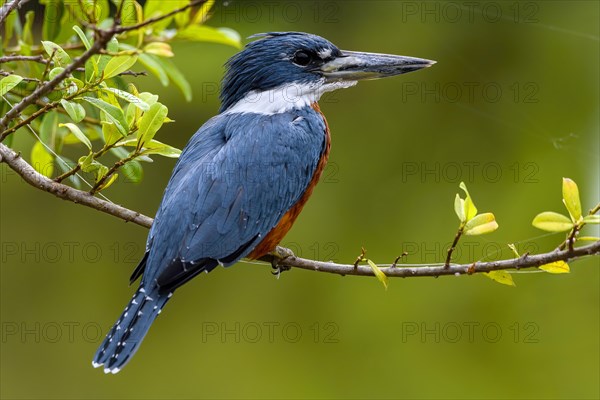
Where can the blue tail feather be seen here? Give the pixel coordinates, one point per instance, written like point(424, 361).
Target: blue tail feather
point(124, 338)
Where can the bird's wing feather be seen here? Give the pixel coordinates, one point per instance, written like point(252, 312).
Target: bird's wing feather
point(233, 182)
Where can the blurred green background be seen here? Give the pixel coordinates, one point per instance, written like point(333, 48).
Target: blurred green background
point(510, 108)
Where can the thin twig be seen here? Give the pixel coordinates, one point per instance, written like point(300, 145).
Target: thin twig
point(111, 172)
point(122, 29)
point(453, 246)
point(38, 59)
point(133, 73)
point(8, 7)
point(67, 174)
point(25, 79)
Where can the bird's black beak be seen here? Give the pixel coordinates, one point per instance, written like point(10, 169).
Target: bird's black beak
point(354, 65)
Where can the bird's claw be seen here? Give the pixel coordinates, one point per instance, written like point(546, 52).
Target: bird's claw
point(280, 254)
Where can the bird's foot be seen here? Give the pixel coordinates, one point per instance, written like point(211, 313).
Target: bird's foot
point(280, 254)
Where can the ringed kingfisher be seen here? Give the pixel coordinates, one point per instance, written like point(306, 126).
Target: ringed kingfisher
point(244, 176)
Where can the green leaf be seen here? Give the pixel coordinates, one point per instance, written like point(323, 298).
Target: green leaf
point(183, 18)
point(51, 25)
point(114, 114)
point(150, 62)
point(557, 267)
point(552, 222)
point(588, 239)
point(88, 164)
point(592, 219)
point(27, 36)
point(49, 131)
point(151, 122)
point(502, 277)
point(78, 134)
point(91, 69)
point(160, 49)
point(176, 77)
point(75, 83)
point(132, 14)
point(8, 83)
point(136, 101)
point(42, 160)
point(481, 224)
point(148, 97)
point(71, 14)
point(75, 110)
point(120, 152)
point(470, 209)
point(91, 131)
point(110, 133)
point(54, 72)
point(571, 200)
point(129, 13)
point(203, 33)
point(133, 171)
point(101, 10)
point(156, 147)
point(153, 147)
point(379, 274)
point(202, 14)
point(11, 24)
point(144, 159)
point(82, 36)
point(132, 114)
point(85, 161)
point(459, 208)
point(112, 46)
point(156, 8)
point(119, 64)
point(108, 182)
point(514, 249)
point(61, 57)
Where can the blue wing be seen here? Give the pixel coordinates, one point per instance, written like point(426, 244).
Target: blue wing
point(236, 178)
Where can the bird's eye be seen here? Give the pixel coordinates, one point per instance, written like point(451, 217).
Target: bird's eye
point(302, 58)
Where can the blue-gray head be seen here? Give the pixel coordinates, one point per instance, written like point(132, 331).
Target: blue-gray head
point(283, 70)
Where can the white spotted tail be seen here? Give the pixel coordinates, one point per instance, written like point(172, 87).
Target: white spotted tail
point(125, 336)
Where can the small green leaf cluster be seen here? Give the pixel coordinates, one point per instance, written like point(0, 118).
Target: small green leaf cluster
point(96, 110)
point(551, 221)
point(472, 223)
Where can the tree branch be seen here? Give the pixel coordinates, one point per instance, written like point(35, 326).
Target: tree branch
point(34, 178)
point(102, 39)
point(38, 59)
point(283, 259)
point(8, 7)
point(437, 270)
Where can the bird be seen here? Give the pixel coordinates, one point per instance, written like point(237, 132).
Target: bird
point(243, 178)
